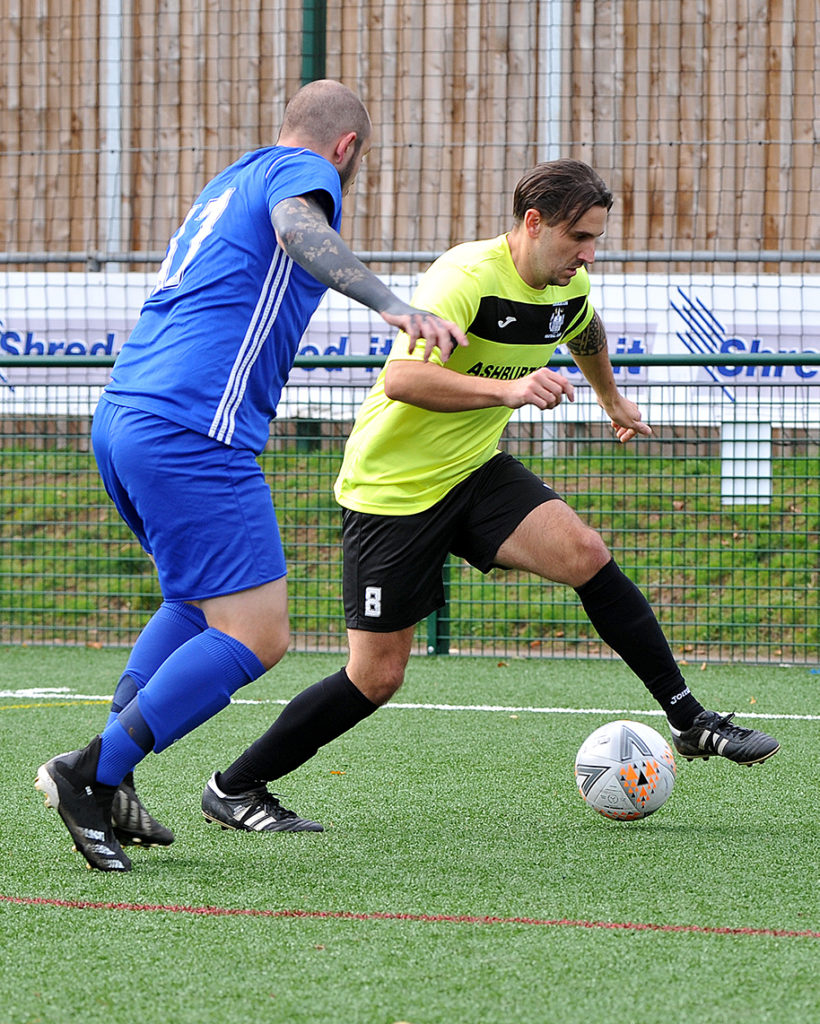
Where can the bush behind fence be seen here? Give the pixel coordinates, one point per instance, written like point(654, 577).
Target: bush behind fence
point(722, 532)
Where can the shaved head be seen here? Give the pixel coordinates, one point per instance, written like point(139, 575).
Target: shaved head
point(322, 111)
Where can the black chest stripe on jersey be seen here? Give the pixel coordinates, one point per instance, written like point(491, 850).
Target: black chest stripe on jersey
point(526, 323)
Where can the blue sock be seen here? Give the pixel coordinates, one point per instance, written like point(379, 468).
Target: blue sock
point(190, 686)
point(173, 624)
point(118, 754)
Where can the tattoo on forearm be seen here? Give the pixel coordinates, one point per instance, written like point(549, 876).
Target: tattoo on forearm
point(306, 234)
point(589, 341)
point(309, 240)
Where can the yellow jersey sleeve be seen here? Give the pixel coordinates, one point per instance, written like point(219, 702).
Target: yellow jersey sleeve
point(454, 294)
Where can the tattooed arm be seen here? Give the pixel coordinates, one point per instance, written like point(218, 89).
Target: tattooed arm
point(590, 341)
point(589, 350)
point(303, 232)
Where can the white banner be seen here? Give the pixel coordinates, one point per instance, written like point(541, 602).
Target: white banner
point(82, 314)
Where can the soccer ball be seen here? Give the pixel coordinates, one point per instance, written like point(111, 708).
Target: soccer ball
point(625, 770)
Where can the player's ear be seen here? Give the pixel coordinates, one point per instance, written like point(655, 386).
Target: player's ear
point(345, 144)
point(533, 222)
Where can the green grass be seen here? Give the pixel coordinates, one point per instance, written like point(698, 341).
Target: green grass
point(433, 814)
point(722, 579)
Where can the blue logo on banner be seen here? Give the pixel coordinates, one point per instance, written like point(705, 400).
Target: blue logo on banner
point(706, 335)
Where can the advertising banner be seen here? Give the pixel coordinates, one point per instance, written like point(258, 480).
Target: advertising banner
point(72, 315)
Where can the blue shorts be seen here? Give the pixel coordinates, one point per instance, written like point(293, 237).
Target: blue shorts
point(203, 510)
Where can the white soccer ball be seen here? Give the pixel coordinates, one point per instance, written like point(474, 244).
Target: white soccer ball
point(625, 770)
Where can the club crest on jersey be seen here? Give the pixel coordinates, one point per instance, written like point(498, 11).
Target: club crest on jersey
point(556, 321)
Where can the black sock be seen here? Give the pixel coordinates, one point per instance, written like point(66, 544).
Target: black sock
point(623, 618)
point(314, 717)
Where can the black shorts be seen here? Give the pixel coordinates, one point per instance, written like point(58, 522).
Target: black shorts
point(393, 564)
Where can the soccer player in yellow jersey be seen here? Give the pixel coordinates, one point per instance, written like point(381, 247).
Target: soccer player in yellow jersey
point(423, 477)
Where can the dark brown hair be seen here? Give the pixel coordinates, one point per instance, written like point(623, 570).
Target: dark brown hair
point(561, 190)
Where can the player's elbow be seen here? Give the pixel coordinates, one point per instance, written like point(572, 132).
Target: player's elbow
point(392, 392)
point(395, 384)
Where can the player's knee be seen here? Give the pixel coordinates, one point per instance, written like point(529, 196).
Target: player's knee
point(274, 651)
point(272, 647)
point(381, 680)
point(591, 552)
point(391, 682)
point(381, 692)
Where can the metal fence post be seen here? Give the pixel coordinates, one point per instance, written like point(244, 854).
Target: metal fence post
point(314, 47)
point(438, 623)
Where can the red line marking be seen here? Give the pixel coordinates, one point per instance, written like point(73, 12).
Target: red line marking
point(349, 915)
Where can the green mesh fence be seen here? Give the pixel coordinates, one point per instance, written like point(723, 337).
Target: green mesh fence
point(717, 518)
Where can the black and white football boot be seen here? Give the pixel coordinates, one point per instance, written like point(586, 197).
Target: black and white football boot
point(257, 810)
point(69, 782)
point(713, 734)
point(133, 825)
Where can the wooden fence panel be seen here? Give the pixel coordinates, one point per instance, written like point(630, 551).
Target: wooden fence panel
point(700, 113)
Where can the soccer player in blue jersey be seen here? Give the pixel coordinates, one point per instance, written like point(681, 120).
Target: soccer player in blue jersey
point(408, 505)
point(176, 435)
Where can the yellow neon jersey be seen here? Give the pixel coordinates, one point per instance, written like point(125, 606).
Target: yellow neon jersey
point(400, 459)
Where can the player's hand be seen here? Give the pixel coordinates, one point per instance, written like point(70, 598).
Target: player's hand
point(543, 388)
point(436, 332)
point(626, 419)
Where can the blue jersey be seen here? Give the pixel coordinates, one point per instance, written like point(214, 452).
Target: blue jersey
point(216, 339)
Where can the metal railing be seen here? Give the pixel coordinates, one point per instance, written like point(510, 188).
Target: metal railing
point(95, 260)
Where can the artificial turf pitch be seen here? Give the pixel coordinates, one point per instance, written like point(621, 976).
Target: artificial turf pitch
point(460, 877)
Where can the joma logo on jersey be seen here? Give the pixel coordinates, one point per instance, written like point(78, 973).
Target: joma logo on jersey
point(500, 372)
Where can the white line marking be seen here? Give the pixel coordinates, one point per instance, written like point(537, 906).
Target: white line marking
point(62, 693)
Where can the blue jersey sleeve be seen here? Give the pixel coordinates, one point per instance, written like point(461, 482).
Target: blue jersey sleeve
point(296, 172)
